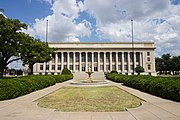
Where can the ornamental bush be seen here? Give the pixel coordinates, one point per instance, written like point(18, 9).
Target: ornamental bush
point(14, 87)
point(165, 87)
point(66, 71)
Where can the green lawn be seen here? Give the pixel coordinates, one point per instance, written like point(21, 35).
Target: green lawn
point(89, 99)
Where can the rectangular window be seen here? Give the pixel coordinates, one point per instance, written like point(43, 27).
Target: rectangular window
point(149, 67)
point(148, 53)
point(59, 67)
point(148, 59)
point(53, 67)
point(47, 67)
point(41, 67)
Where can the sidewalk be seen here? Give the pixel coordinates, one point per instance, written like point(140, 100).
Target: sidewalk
point(24, 108)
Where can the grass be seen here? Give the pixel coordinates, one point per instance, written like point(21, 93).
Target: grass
point(89, 99)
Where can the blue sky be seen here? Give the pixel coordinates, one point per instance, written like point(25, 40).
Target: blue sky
point(101, 20)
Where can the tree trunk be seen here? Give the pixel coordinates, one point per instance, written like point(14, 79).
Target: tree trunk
point(1, 73)
point(31, 69)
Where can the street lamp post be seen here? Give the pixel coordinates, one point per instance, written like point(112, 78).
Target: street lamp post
point(46, 43)
point(132, 45)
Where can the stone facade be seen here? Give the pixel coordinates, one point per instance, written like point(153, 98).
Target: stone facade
point(100, 57)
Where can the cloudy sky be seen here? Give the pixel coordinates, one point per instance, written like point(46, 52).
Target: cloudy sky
point(101, 20)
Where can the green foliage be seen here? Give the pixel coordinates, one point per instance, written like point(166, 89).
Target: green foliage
point(114, 71)
point(62, 77)
point(16, 45)
point(139, 69)
point(66, 71)
point(14, 87)
point(10, 41)
point(167, 64)
point(166, 87)
point(36, 51)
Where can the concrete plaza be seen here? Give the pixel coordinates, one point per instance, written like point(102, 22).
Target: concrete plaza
point(25, 107)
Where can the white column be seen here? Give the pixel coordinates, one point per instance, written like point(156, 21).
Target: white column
point(44, 67)
point(98, 61)
point(74, 61)
point(134, 60)
point(34, 68)
point(110, 61)
point(116, 61)
point(86, 68)
point(62, 61)
point(80, 67)
point(122, 62)
point(68, 60)
point(56, 62)
point(143, 61)
point(129, 67)
point(104, 61)
point(92, 62)
point(37, 67)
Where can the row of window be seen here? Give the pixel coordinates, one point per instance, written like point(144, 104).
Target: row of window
point(95, 67)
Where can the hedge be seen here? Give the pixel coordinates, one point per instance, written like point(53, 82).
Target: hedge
point(165, 87)
point(14, 87)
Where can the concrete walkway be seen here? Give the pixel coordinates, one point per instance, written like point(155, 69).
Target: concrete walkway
point(25, 108)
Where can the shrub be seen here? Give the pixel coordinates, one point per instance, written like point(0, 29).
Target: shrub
point(139, 69)
point(114, 71)
point(165, 87)
point(14, 87)
point(66, 71)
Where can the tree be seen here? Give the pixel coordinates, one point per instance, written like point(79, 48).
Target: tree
point(36, 51)
point(167, 62)
point(139, 69)
point(175, 64)
point(1, 10)
point(10, 37)
point(66, 71)
point(13, 42)
point(159, 64)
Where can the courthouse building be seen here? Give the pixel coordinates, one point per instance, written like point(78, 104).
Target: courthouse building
point(99, 57)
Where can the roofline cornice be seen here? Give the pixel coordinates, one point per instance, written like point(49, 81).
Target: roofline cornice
point(100, 42)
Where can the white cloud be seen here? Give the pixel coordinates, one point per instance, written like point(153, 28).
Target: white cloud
point(61, 24)
point(154, 20)
point(157, 21)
